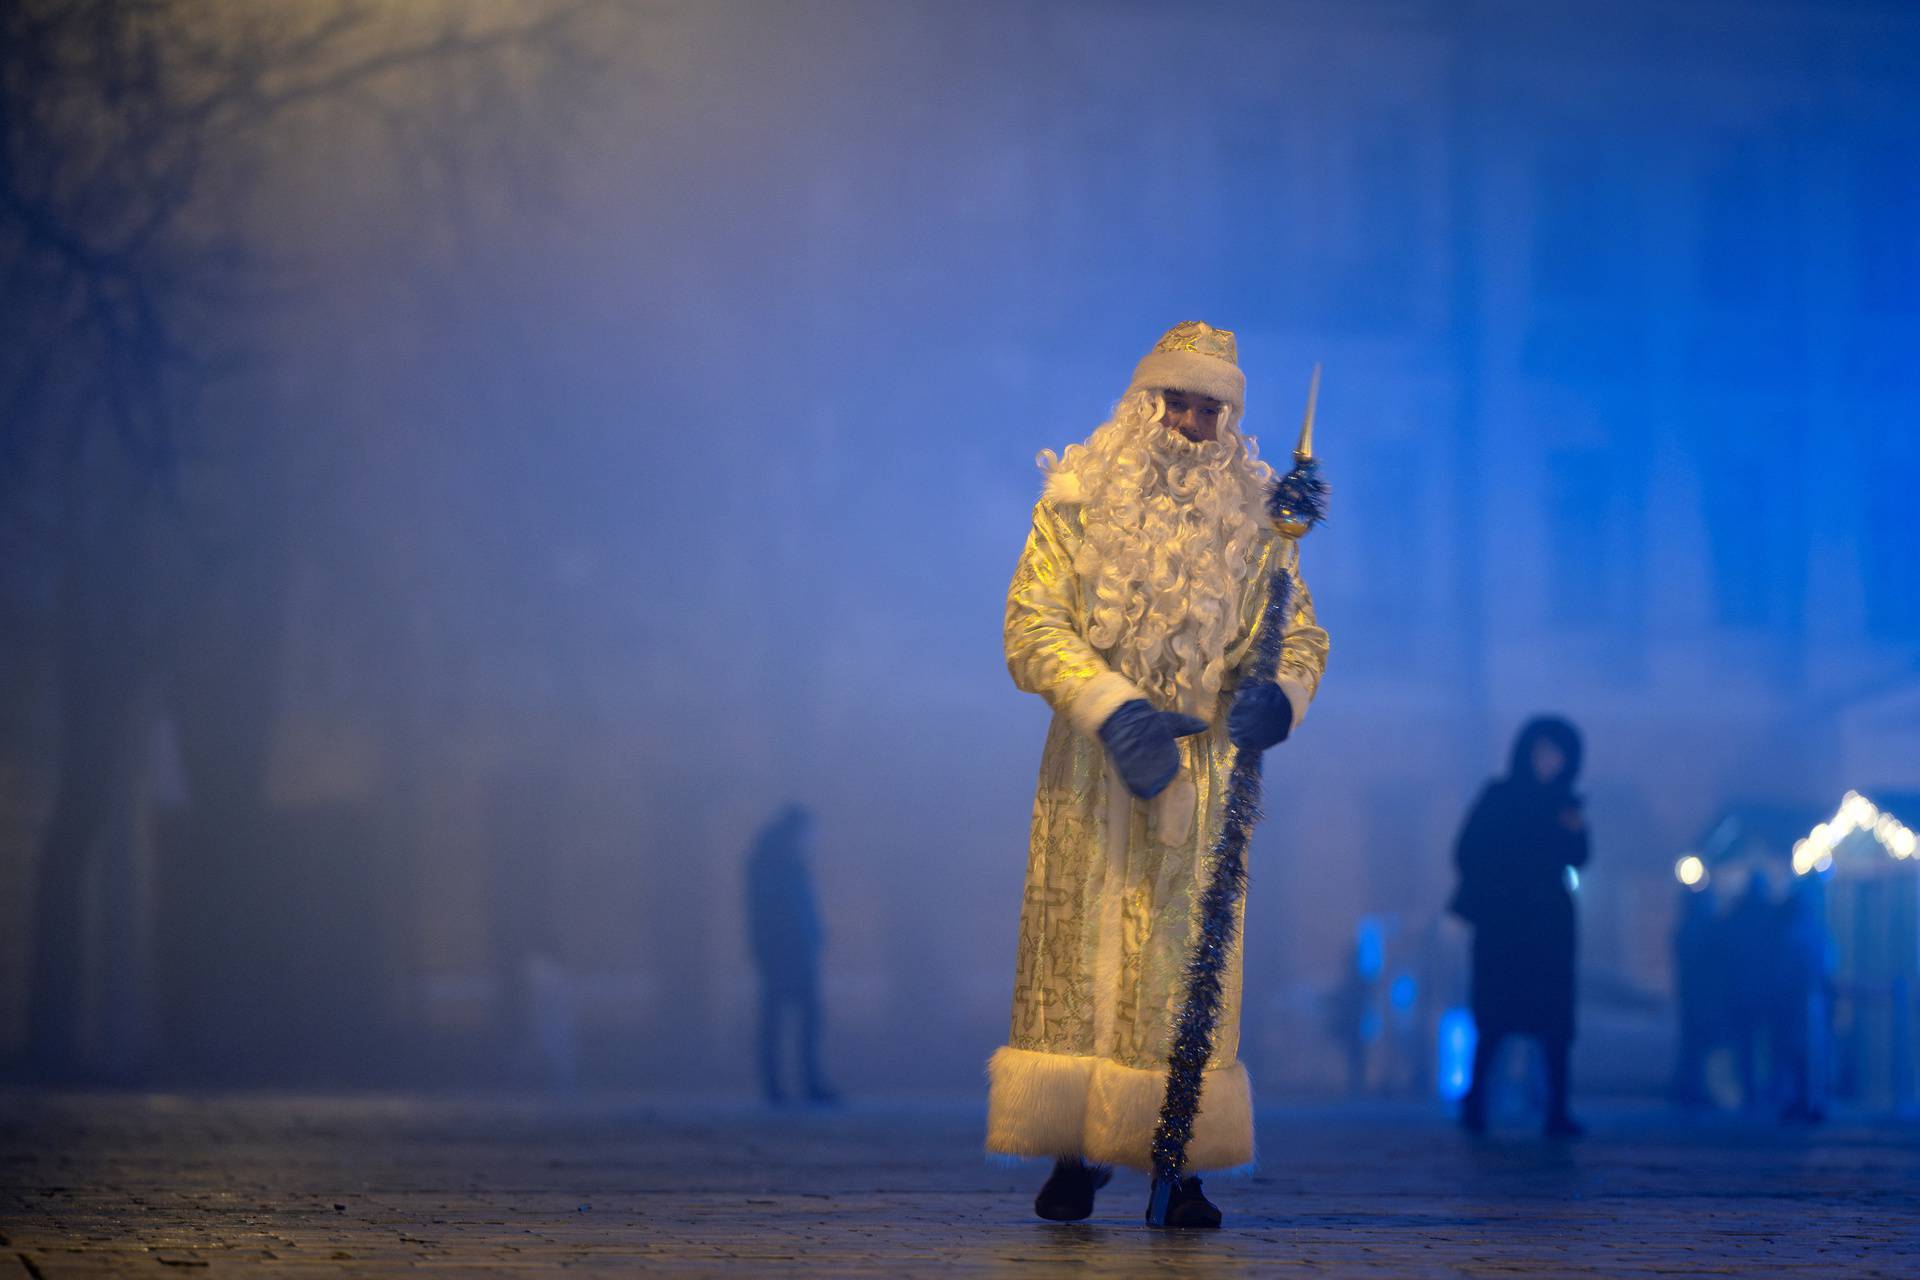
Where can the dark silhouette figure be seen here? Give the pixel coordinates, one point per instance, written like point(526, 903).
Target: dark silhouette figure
point(1699, 981)
point(1750, 941)
point(783, 929)
point(1523, 834)
point(1802, 1021)
point(1353, 1007)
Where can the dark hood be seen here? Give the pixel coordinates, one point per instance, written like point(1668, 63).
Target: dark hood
point(1555, 730)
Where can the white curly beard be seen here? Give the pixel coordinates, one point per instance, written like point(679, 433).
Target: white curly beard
point(1171, 529)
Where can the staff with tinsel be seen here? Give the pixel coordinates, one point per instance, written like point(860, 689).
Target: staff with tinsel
point(1296, 505)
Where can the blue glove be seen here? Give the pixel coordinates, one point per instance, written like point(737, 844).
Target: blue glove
point(1140, 740)
point(1261, 717)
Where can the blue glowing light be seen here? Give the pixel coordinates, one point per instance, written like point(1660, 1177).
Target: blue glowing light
point(1457, 1038)
point(1369, 947)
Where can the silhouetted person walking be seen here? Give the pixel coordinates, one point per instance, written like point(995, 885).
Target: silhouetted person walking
point(1699, 985)
point(1525, 830)
point(1752, 939)
point(1802, 1022)
point(783, 929)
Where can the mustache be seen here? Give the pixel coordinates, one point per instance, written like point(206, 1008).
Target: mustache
point(1186, 468)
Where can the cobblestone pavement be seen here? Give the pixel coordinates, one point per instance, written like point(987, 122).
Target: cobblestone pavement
point(121, 1184)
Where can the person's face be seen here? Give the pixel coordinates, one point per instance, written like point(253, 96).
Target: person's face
point(1548, 760)
point(1195, 417)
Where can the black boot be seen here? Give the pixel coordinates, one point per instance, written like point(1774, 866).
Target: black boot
point(1188, 1208)
point(1562, 1125)
point(1560, 1121)
point(1473, 1104)
point(1473, 1111)
point(1068, 1195)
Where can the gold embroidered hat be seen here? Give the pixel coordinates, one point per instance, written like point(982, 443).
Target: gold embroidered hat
point(1197, 358)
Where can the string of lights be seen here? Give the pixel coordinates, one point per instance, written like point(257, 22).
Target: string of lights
point(1813, 853)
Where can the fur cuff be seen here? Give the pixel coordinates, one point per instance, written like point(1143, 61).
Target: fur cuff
point(1064, 489)
point(1057, 1104)
point(1298, 696)
point(1100, 698)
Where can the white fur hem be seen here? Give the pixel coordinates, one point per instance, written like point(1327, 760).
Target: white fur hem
point(1102, 696)
point(1057, 1104)
point(1298, 697)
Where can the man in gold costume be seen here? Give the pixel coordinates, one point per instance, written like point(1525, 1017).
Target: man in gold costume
point(1134, 606)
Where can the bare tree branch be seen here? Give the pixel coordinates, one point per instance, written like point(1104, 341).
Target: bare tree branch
point(109, 113)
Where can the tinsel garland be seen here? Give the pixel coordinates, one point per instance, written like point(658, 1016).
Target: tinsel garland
point(1298, 502)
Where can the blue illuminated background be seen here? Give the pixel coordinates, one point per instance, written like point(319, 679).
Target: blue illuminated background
point(685, 480)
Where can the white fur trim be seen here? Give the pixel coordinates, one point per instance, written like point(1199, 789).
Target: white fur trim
point(1064, 488)
point(1101, 697)
point(1124, 1108)
point(1057, 1104)
point(1170, 814)
point(1297, 697)
point(1193, 372)
point(1036, 1102)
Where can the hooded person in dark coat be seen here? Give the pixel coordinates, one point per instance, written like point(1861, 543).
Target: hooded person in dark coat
point(1525, 830)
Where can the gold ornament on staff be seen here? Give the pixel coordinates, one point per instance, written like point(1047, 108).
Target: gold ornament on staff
point(1290, 516)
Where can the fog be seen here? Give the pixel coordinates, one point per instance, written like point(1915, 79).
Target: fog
point(596, 427)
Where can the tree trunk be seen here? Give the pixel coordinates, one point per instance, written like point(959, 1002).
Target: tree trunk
point(102, 662)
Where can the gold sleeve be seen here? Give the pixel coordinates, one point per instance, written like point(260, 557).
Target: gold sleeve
point(1303, 651)
point(1047, 649)
point(1303, 654)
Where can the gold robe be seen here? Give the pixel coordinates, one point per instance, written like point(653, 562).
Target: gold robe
point(1113, 883)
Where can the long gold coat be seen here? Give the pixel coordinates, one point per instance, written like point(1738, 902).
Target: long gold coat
point(1113, 882)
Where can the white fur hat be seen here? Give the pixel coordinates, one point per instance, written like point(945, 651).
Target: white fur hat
point(1197, 358)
